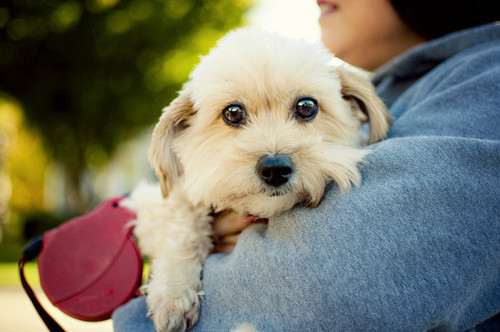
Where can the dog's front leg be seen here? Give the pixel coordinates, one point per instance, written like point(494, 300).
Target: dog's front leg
point(177, 237)
point(173, 293)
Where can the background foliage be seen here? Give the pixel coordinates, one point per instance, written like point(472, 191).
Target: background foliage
point(88, 74)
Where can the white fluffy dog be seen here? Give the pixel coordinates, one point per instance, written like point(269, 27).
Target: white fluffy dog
point(263, 124)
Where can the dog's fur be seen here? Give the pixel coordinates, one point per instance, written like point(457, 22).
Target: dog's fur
point(205, 164)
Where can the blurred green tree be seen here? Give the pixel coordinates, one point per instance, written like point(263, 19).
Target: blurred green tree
point(91, 73)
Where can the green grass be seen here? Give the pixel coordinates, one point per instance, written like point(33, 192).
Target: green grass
point(9, 274)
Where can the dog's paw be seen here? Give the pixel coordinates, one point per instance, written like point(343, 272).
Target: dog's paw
point(175, 311)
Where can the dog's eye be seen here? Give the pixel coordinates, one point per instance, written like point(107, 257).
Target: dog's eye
point(234, 115)
point(306, 108)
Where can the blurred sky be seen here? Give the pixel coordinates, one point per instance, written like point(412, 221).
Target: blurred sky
point(292, 18)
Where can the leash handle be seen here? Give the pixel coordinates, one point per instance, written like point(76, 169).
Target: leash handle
point(30, 252)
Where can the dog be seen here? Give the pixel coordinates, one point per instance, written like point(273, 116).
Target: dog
point(263, 124)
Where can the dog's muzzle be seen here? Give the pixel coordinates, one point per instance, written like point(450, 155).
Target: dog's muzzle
point(275, 170)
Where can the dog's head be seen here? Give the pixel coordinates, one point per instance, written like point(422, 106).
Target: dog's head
point(263, 124)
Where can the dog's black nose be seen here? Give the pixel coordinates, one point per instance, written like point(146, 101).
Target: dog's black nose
point(275, 170)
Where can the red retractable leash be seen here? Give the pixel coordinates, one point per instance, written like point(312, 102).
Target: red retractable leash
point(88, 266)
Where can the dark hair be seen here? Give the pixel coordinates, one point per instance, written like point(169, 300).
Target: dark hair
point(436, 18)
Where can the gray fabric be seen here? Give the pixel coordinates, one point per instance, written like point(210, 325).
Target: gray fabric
point(416, 247)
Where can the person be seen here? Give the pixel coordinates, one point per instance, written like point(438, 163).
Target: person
point(417, 246)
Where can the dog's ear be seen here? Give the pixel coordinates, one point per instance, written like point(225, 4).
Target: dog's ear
point(365, 103)
point(161, 154)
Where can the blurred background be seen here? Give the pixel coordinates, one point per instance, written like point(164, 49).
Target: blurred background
point(82, 83)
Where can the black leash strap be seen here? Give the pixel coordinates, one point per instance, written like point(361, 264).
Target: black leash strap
point(30, 252)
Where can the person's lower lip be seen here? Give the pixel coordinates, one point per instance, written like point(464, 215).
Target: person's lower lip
point(326, 8)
